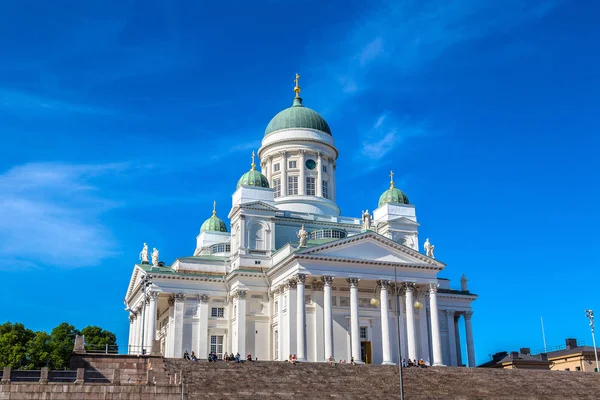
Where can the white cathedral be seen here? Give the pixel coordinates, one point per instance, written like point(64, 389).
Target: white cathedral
point(292, 276)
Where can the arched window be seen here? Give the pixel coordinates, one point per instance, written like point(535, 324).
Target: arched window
point(257, 237)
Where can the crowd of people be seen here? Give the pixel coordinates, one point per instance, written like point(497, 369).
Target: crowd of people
point(292, 359)
point(212, 357)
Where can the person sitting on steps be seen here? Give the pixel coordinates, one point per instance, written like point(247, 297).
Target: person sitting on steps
point(237, 358)
point(249, 357)
point(294, 359)
point(193, 356)
point(352, 361)
point(331, 360)
point(186, 355)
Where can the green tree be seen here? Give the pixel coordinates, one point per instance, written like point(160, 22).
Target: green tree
point(14, 340)
point(39, 351)
point(62, 340)
point(96, 337)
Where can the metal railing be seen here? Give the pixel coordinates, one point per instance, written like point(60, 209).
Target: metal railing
point(25, 375)
point(62, 376)
point(102, 348)
point(580, 343)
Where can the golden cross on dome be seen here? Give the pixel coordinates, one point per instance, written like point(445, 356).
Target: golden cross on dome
point(391, 179)
point(297, 87)
point(253, 165)
point(214, 207)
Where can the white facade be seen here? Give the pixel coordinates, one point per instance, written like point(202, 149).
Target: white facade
point(255, 290)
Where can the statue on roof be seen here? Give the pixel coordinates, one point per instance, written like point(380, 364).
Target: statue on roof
point(366, 218)
point(429, 248)
point(463, 283)
point(154, 257)
point(144, 254)
point(302, 235)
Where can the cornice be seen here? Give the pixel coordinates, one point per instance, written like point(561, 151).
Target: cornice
point(263, 149)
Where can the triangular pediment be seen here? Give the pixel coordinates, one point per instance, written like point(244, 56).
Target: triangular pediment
point(403, 221)
point(136, 276)
point(258, 205)
point(370, 246)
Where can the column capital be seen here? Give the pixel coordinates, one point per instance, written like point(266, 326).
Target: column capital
point(408, 286)
point(241, 294)
point(153, 295)
point(179, 297)
point(450, 313)
point(433, 288)
point(319, 154)
point(269, 158)
point(327, 280)
point(353, 281)
point(301, 278)
point(283, 153)
point(382, 283)
point(131, 318)
point(317, 285)
point(292, 284)
point(203, 298)
point(281, 289)
point(468, 314)
point(302, 152)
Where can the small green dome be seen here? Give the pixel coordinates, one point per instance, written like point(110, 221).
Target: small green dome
point(214, 223)
point(297, 116)
point(392, 195)
point(253, 178)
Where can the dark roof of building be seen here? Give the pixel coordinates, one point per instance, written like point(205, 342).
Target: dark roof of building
point(504, 357)
point(569, 351)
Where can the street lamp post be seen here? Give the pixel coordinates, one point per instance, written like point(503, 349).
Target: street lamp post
point(397, 311)
point(590, 315)
point(146, 282)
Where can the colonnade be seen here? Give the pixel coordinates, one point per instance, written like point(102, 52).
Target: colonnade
point(321, 161)
point(295, 289)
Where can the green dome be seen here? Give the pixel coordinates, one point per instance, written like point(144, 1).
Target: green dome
point(393, 196)
point(297, 116)
point(253, 178)
point(214, 223)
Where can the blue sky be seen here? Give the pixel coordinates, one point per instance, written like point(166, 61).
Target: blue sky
point(121, 121)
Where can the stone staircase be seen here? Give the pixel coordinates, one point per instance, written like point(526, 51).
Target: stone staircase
point(279, 380)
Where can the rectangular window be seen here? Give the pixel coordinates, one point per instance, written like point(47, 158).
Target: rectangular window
point(217, 312)
point(276, 167)
point(324, 168)
point(325, 190)
point(276, 345)
point(310, 186)
point(277, 187)
point(292, 185)
point(363, 332)
point(292, 164)
point(216, 346)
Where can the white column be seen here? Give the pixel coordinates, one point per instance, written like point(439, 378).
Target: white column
point(423, 330)
point(385, 322)
point(333, 189)
point(354, 320)
point(320, 174)
point(284, 180)
point(242, 238)
point(239, 344)
point(138, 336)
point(452, 338)
point(301, 176)
point(318, 352)
point(131, 331)
point(178, 309)
point(291, 337)
point(458, 344)
point(150, 321)
point(301, 317)
point(436, 341)
point(327, 316)
point(280, 324)
point(270, 170)
point(410, 323)
point(202, 344)
point(470, 344)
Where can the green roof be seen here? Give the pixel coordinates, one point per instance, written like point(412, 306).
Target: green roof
point(253, 178)
point(213, 224)
point(393, 196)
point(297, 116)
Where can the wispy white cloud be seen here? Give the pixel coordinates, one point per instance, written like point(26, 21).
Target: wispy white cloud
point(29, 103)
point(385, 135)
point(50, 215)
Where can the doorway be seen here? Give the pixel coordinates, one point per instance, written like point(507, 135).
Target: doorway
point(365, 352)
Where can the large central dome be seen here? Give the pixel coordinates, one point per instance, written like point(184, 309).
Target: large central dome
point(297, 116)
